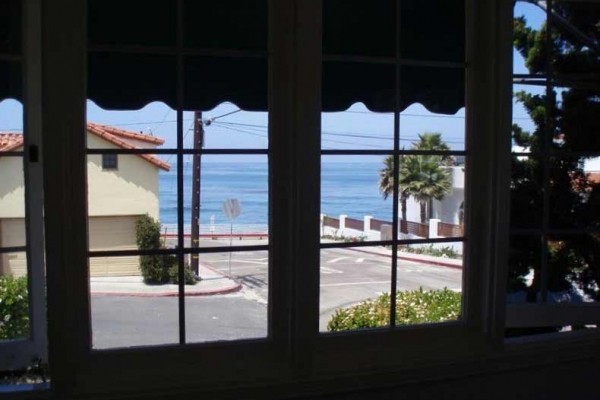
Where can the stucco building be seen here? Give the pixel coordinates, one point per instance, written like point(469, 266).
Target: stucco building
point(120, 189)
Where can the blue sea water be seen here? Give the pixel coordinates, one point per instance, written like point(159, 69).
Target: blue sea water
point(349, 188)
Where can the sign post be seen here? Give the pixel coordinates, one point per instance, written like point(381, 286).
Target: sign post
point(232, 209)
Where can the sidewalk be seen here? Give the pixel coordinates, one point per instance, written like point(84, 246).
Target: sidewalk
point(212, 283)
point(421, 258)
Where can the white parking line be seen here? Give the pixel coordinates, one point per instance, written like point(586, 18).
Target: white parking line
point(359, 260)
point(326, 270)
point(355, 283)
point(333, 261)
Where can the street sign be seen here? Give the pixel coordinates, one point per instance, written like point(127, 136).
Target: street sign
point(232, 208)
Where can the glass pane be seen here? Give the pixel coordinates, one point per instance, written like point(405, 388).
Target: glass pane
point(579, 109)
point(573, 268)
point(432, 30)
point(346, 33)
point(119, 195)
point(10, 80)
point(226, 24)
point(107, 26)
point(356, 201)
point(357, 128)
point(227, 127)
point(154, 126)
point(127, 312)
point(128, 81)
point(210, 81)
point(354, 289)
point(234, 200)
point(345, 83)
point(524, 271)
point(416, 121)
point(230, 301)
point(14, 298)
point(431, 196)
point(574, 194)
point(10, 26)
point(526, 191)
point(526, 114)
point(439, 90)
point(12, 199)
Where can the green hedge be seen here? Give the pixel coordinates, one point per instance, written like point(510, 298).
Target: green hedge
point(412, 307)
point(14, 308)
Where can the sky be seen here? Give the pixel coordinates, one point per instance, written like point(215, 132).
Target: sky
point(356, 128)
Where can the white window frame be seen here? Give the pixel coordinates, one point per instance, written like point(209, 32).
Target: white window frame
point(18, 354)
point(294, 356)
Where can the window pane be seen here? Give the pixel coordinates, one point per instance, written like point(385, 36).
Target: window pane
point(10, 26)
point(10, 80)
point(573, 268)
point(526, 193)
point(226, 127)
point(356, 202)
point(357, 128)
point(234, 200)
point(429, 283)
point(226, 24)
point(354, 288)
point(345, 31)
point(118, 198)
point(433, 30)
point(125, 311)
point(416, 121)
point(12, 199)
point(231, 300)
point(14, 304)
point(125, 27)
point(524, 271)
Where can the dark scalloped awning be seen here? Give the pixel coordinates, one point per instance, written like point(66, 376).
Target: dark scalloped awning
point(359, 43)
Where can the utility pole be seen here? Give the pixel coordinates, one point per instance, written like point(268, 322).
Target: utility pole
point(196, 168)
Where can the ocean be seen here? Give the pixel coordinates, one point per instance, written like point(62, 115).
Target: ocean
point(349, 188)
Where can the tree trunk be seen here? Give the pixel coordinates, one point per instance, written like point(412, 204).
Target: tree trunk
point(430, 209)
point(423, 205)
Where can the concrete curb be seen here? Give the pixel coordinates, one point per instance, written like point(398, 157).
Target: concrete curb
point(213, 292)
point(413, 259)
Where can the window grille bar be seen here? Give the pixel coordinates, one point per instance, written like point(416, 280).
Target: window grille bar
point(180, 183)
point(367, 152)
point(175, 151)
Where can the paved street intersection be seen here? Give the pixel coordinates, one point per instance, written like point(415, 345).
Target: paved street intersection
point(348, 276)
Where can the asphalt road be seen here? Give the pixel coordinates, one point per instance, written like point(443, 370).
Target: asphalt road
point(347, 277)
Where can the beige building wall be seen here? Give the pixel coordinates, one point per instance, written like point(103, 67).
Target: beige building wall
point(132, 189)
point(12, 190)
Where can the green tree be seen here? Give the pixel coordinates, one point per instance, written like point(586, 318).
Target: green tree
point(567, 122)
point(423, 177)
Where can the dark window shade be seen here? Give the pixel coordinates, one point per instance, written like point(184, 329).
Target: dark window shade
point(132, 22)
point(130, 81)
point(10, 80)
point(10, 26)
point(226, 24)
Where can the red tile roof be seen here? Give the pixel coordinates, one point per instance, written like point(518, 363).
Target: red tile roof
point(12, 141)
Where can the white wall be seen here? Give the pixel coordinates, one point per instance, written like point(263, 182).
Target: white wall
point(132, 189)
point(12, 190)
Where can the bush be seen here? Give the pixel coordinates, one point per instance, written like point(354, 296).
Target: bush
point(14, 308)
point(446, 251)
point(157, 269)
point(412, 307)
point(189, 277)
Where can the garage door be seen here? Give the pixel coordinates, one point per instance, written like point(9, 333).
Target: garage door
point(12, 234)
point(113, 233)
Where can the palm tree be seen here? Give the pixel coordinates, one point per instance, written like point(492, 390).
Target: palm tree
point(425, 179)
point(421, 176)
point(386, 184)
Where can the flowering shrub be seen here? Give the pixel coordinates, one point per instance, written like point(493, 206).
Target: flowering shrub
point(14, 308)
point(412, 307)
